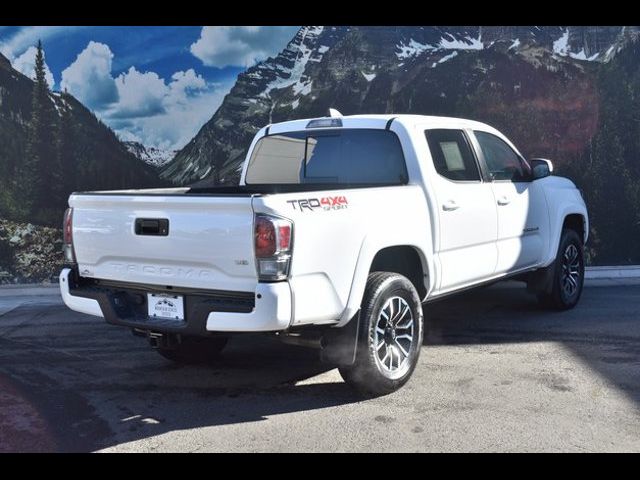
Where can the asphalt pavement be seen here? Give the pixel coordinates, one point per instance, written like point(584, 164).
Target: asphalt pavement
point(496, 373)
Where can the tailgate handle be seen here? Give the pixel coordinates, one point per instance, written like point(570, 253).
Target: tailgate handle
point(152, 226)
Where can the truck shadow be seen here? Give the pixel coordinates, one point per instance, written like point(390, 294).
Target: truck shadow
point(97, 386)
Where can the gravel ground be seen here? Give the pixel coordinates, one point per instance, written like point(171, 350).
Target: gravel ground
point(496, 373)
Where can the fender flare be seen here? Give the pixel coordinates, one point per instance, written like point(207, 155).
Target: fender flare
point(564, 212)
point(368, 250)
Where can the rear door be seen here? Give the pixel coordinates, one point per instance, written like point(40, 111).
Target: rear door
point(523, 223)
point(466, 211)
point(208, 242)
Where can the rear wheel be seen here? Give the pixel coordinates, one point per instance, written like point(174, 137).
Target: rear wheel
point(390, 335)
point(194, 350)
point(568, 273)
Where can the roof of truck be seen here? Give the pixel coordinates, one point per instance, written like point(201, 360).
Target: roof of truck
point(380, 121)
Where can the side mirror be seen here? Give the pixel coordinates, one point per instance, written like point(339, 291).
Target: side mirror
point(541, 167)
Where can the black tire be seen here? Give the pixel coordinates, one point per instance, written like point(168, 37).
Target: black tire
point(194, 350)
point(367, 374)
point(558, 297)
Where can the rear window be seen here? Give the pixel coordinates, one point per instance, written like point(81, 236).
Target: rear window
point(345, 156)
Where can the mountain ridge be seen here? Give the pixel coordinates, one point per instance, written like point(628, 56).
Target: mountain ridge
point(153, 156)
point(321, 63)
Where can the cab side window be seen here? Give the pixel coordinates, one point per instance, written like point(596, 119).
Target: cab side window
point(502, 162)
point(452, 155)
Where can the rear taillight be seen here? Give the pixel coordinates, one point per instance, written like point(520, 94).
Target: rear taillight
point(67, 236)
point(273, 242)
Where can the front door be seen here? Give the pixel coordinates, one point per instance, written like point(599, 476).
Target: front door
point(523, 221)
point(467, 216)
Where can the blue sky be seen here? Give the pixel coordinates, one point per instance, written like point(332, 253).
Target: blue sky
point(157, 85)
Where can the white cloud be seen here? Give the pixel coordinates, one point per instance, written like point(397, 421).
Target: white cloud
point(181, 107)
point(146, 94)
point(89, 77)
point(185, 83)
point(140, 94)
point(240, 46)
point(26, 64)
point(28, 37)
point(179, 123)
point(142, 106)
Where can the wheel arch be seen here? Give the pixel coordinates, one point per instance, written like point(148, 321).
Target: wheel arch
point(571, 217)
point(577, 222)
point(406, 259)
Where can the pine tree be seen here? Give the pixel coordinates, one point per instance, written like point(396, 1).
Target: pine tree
point(34, 175)
point(65, 181)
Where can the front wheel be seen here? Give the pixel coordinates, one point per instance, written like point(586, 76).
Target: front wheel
point(568, 273)
point(390, 335)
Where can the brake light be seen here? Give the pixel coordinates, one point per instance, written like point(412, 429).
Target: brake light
point(273, 241)
point(67, 236)
point(265, 237)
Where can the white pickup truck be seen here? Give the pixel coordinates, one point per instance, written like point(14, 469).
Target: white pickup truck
point(341, 231)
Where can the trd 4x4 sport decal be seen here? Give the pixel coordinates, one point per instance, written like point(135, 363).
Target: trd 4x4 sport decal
point(324, 203)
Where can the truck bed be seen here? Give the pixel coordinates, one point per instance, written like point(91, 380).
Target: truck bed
point(235, 190)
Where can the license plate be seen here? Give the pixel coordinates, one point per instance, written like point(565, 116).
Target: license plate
point(162, 305)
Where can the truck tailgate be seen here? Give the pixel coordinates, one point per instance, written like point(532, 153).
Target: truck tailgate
point(209, 243)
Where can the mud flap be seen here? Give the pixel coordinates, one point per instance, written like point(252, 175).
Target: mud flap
point(541, 281)
point(339, 345)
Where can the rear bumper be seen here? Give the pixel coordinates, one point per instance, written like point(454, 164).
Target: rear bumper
point(267, 309)
point(90, 306)
point(272, 312)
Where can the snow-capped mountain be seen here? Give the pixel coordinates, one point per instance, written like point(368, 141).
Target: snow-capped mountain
point(156, 157)
point(545, 74)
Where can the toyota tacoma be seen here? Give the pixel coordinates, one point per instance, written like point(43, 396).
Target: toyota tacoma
point(341, 231)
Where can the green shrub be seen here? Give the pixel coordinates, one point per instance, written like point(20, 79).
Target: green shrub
point(7, 256)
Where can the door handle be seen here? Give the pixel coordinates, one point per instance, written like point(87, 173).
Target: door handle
point(152, 226)
point(450, 205)
point(504, 201)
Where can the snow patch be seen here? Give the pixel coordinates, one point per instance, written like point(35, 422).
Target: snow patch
point(515, 44)
point(302, 57)
point(156, 157)
point(295, 103)
point(412, 49)
point(368, 76)
point(468, 44)
point(323, 49)
point(561, 46)
point(445, 58)
point(581, 55)
point(302, 88)
point(55, 104)
point(610, 52)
